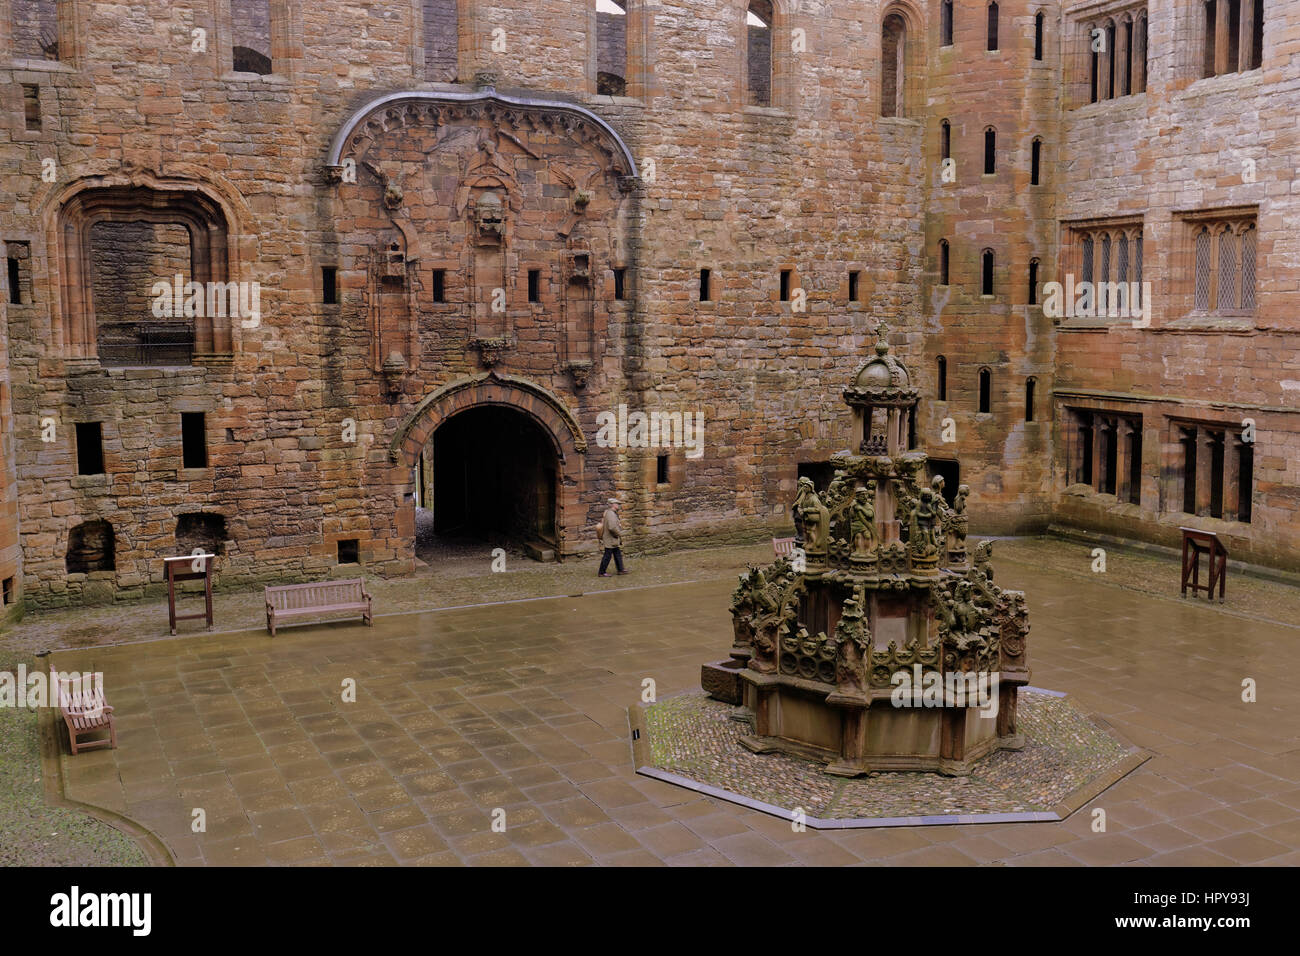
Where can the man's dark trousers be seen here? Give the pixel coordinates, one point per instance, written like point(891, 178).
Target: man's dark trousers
point(617, 554)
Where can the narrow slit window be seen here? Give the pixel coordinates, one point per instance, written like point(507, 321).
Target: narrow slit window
point(15, 283)
point(90, 448)
point(439, 285)
point(993, 26)
point(620, 284)
point(1033, 282)
point(785, 285)
point(534, 285)
point(1038, 35)
point(31, 106)
point(943, 262)
point(1030, 383)
point(661, 470)
point(853, 286)
point(986, 390)
point(1035, 162)
point(9, 591)
point(945, 140)
point(706, 293)
point(986, 285)
point(329, 285)
point(990, 150)
point(941, 379)
point(194, 442)
point(945, 23)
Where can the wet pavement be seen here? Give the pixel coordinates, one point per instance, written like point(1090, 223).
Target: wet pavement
point(517, 713)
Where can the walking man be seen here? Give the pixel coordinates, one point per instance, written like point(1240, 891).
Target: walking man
point(612, 539)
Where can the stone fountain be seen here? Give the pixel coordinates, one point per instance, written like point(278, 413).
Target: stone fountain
point(880, 644)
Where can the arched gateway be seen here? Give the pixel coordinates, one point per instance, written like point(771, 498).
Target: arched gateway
point(511, 460)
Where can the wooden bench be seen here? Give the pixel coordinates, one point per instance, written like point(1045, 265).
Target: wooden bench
point(782, 547)
point(325, 597)
point(81, 701)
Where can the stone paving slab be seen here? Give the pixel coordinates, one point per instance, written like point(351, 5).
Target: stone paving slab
point(521, 708)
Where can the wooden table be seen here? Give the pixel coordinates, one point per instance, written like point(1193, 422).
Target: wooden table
point(177, 571)
point(1196, 543)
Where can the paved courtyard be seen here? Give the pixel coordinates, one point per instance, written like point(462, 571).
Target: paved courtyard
point(522, 708)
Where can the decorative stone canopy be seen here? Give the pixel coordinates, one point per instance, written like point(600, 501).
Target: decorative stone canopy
point(883, 400)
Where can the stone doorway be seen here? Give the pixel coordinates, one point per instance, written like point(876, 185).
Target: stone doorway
point(487, 476)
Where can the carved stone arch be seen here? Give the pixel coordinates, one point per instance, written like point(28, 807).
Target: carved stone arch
point(430, 106)
point(539, 404)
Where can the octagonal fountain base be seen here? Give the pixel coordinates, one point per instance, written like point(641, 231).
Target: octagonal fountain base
point(1066, 759)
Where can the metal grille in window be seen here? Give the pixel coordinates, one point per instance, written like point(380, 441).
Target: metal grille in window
point(1227, 270)
point(1202, 297)
point(1086, 271)
point(1105, 259)
point(1137, 259)
point(1248, 268)
point(1121, 260)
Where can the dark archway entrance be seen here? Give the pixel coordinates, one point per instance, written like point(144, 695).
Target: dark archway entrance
point(490, 475)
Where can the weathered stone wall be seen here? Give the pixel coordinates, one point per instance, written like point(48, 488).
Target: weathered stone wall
point(1186, 145)
point(819, 184)
point(127, 258)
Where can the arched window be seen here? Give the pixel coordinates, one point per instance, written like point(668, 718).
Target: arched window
point(1211, 31)
point(1126, 71)
point(941, 379)
point(945, 23)
point(611, 47)
point(1033, 282)
point(986, 390)
point(1038, 35)
point(1029, 398)
point(990, 150)
point(1140, 55)
point(893, 78)
point(758, 57)
point(250, 33)
point(1109, 58)
point(943, 262)
point(441, 40)
point(1094, 63)
point(986, 284)
point(1201, 293)
point(1035, 161)
point(945, 139)
point(993, 26)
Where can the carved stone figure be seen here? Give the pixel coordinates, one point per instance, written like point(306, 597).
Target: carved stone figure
point(804, 489)
point(923, 531)
point(853, 639)
point(956, 525)
point(862, 520)
point(816, 524)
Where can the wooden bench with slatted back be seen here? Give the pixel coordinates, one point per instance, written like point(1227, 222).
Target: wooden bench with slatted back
point(316, 599)
point(81, 701)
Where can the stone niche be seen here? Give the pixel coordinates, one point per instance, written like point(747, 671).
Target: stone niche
point(879, 644)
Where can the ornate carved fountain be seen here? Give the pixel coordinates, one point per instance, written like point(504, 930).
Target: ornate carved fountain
point(879, 645)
